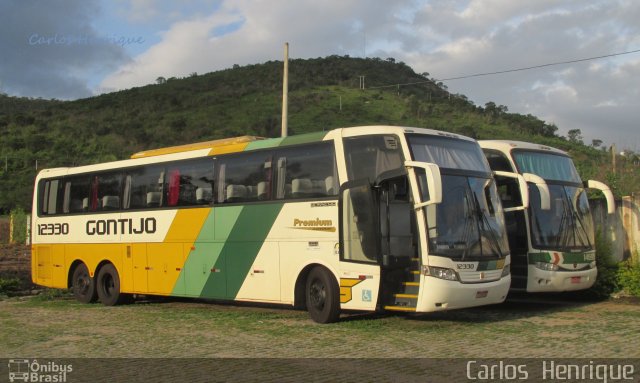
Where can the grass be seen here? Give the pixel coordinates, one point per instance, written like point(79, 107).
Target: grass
point(50, 325)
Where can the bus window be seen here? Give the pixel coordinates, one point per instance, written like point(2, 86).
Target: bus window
point(143, 187)
point(76, 194)
point(105, 192)
point(50, 203)
point(190, 183)
point(242, 178)
point(498, 161)
point(370, 156)
point(306, 172)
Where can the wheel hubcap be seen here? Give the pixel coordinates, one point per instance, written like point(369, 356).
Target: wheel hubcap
point(317, 294)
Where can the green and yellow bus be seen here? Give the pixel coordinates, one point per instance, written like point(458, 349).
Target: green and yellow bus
point(363, 218)
point(549, 223)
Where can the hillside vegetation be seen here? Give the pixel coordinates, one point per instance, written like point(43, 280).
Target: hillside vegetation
point(324, 94)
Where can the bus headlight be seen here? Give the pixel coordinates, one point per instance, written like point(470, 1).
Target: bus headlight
point(547, 266)
point(440, 272)
point(506, 271)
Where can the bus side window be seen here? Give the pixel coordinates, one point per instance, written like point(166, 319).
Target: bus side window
point(497, 161)
point(190, 183)
point(51, 200)
point(143, 187)
point(307, 171)
point(76, 194)
point(105, 192)
point(244, 178)
point(370, 156)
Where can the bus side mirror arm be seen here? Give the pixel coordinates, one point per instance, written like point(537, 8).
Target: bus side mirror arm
point(524, 190)
point(543, 188)
point(433, 178)
point(611, 204)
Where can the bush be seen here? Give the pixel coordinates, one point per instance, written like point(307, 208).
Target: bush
point(9, 285)
point(19, 218)
point(629, 278)
point(607, 281)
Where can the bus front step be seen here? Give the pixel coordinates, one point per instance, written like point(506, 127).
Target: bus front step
point(404, 300)
point(410, 287)
point(400, 308)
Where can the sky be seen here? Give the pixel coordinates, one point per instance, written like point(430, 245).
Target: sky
point(70, 49)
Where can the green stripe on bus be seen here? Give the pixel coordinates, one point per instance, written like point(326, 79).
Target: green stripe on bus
point(264, 144)
point(225, 265)
point(244, 242)
point(284, 141)
point(303, 138)
point(565, 258)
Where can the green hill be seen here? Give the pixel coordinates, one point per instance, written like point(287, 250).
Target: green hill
point(324, 94)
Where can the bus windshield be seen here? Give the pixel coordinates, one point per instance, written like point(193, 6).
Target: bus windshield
point(468, 224)
point(551, 167)
point(567, 226)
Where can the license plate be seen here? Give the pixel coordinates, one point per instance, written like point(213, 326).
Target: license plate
point(482, 294)
point(575, 279)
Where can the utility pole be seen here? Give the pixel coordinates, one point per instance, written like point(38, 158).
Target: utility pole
point(361, 82)
point(285, 91)
point(613, 157)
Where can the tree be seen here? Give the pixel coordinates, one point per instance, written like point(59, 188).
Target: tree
point(596, 143)
point(575, 136)
point(161, 80)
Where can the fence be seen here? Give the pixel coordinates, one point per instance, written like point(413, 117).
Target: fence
point(622, 228)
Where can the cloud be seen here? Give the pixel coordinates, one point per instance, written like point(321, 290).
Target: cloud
point(255, 31)
point(445, 38)
point(52, 49)
point(493, 35)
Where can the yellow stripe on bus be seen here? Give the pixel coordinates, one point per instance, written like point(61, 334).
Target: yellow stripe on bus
point(225, 145)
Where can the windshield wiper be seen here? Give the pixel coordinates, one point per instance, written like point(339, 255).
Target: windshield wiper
point(562, 240)
point(484, 222)
point(578, 218)
point(468, 225)
point(568, 228)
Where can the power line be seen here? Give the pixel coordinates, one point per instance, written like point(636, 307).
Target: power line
point(511, 70)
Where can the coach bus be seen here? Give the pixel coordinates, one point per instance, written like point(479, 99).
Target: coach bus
point(363, 218)
point(551, 238)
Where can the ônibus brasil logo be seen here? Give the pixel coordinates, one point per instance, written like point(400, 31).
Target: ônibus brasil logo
point(25, 370)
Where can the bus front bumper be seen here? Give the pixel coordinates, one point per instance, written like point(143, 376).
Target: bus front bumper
point(439, 294)
point(557, 281)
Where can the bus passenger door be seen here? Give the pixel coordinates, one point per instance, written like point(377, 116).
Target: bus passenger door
point(359, 247)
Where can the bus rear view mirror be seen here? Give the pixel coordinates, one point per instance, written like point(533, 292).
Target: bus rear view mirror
point(428, 183)
point(611, 204)
point(543, 188)
point(522, 185)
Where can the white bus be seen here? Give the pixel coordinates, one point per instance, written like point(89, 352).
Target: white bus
point(549, 223)
point(364, 218)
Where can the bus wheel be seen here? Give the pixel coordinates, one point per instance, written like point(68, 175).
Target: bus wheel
point(323, 296)
point(83, 286)
point(108, 286)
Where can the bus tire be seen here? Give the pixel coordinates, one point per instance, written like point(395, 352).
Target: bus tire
point(83, 286)
point(322, 296)
point(108, 286)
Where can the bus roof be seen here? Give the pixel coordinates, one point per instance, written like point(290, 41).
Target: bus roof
point(240, 144)
point(508, 145)
point(224, 145)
